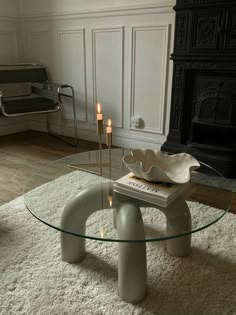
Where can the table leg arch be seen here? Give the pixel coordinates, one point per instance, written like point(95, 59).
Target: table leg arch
point(74, 217)
point(178, 219)
point(132, 265)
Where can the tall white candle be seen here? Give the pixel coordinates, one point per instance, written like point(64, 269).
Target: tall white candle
point(99, 114)
point(109, 127)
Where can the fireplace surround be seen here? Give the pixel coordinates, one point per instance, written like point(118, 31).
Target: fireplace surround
point(203, 104)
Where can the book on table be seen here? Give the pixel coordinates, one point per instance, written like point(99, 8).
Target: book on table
point(158, 193)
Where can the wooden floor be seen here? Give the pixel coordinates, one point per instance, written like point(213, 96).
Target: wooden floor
point(23, 154)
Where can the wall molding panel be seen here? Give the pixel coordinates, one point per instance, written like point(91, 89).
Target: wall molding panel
point(108, 72)
point(72, 69)
point(148, 76)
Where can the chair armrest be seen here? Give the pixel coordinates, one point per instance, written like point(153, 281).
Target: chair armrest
point(39, 89)
point(52, 90)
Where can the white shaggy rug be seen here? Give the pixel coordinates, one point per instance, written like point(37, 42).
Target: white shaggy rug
point(34, 280)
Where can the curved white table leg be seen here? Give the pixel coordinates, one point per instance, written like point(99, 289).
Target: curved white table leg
point(72, 247)
point(178, 222)
point(74, 217)
point(132, 266)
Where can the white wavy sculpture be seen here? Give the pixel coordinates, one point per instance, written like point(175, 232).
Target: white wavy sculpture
point(156, 166)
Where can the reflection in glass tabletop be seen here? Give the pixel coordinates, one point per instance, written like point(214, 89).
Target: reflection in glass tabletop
point(58, 184)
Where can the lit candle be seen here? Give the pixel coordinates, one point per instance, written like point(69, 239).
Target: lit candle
point(99, 121)
point(109, 128)
point(99, 114)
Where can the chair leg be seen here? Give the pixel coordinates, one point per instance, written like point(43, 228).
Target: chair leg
point(75, 116)
point(75, 142)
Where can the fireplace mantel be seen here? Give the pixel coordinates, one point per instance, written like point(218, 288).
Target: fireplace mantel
point(203, 105)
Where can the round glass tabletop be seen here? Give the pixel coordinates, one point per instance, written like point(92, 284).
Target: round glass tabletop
point(76, 195)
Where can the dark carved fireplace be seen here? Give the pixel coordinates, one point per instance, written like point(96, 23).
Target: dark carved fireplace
point(203, 106)
point(214, 116)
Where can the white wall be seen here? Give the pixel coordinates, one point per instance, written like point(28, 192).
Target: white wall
point(9, 8)
point(9, 53)
point(42, 7)
point(9, 11)
point(113, 52)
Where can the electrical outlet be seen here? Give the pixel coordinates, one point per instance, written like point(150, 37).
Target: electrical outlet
point(136, 121)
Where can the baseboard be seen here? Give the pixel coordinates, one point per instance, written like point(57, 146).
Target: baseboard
point(121, 139)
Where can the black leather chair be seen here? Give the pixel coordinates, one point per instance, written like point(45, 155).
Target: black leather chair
point(26, 90)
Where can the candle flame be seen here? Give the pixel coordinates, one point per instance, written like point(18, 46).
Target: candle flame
point(98, 108)
point(109, 122)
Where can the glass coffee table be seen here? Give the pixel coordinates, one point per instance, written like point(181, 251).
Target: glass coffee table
point(75, 195)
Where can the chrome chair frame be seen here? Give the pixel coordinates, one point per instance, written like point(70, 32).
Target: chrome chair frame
point(36, 89)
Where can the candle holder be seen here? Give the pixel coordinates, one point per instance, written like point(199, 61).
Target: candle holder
point(100, 132)
point(81, 166)
point(109, 140)
point(100, 126)
point(109, 144)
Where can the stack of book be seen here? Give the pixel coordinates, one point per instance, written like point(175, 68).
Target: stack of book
point(158, 193)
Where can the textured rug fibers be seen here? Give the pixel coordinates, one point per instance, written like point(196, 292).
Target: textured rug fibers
point(34, 280)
